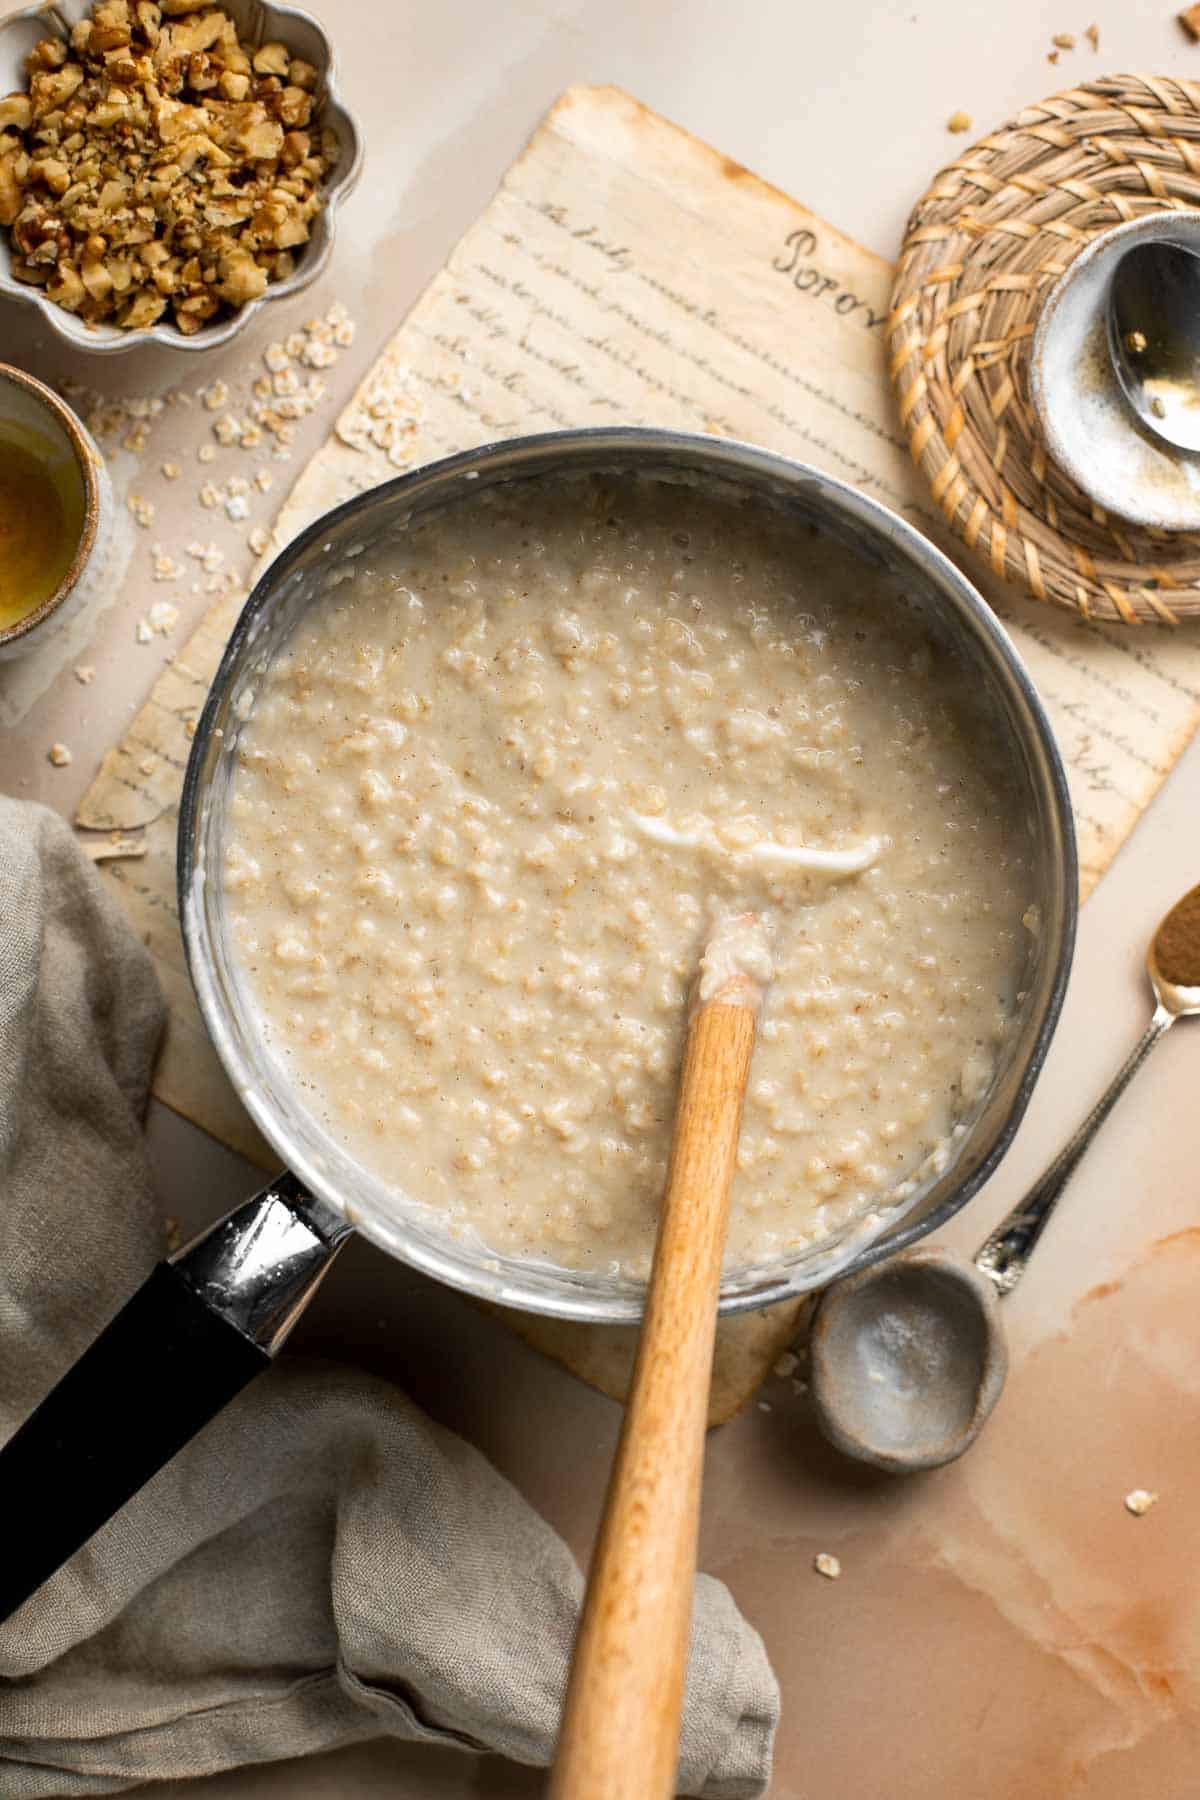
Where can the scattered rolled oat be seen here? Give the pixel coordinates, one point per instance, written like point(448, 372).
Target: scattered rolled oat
point(1092, 34)
point(1139, 1501)
point(142, 510)
point(143, 633)
point(827, 1565)
point(1063, 40)
point(206, 453)
point(227, 430)
point(209, 556)
point(764, 1406)
point(237, 507)
point(171, 470)
point(209, 496)
point(85, 674)
point(163, 617)
point(165, 567)
point(259, 540)
point(59, 755)
point(264, 481)
point(216, 397)
point(959, 121)
point(148, 765)
point(786, 1365)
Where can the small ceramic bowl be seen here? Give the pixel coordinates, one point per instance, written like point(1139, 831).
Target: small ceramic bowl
point(1091, 430)
point(258, 22)
point(40, 415)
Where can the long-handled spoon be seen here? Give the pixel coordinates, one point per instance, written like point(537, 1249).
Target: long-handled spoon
point(908, 1357)
point(620, 1729)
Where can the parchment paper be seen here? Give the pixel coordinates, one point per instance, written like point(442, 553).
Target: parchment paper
point(626, 273)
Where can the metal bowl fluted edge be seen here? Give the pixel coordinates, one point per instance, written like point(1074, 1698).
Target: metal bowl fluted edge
point(257, 21)
point(862, 523)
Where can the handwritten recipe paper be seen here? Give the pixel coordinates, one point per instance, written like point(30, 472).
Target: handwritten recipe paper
point(625, 273)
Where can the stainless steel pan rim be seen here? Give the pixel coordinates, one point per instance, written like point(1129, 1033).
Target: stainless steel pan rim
point(874, 532)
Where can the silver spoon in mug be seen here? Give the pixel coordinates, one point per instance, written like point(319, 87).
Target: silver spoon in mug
point(1154, 339)
point(908, 1357)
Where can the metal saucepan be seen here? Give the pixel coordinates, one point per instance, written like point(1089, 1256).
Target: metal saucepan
point(207, 1321)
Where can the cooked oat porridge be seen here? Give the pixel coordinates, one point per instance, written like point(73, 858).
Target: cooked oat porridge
point(497, 789)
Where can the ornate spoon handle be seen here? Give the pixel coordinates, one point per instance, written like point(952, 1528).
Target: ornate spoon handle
point(1004, 1254)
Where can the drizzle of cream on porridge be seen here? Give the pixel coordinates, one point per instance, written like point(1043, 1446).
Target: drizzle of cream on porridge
point(495, 791)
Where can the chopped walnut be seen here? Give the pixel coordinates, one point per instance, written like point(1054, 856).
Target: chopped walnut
point(59, 755)
point(159, 168)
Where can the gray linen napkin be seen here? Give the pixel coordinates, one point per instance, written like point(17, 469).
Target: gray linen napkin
point(323, 1564)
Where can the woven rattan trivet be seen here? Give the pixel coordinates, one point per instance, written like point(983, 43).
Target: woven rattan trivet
point(983, 248)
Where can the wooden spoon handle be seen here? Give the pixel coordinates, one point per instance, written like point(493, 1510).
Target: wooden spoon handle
point(620, 1729)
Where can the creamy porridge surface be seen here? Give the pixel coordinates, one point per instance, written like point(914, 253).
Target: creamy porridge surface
point(499, 785)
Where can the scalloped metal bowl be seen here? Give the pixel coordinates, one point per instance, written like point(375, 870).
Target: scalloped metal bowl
point(257, 22)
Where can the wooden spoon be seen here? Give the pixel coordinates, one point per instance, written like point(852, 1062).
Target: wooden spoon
point(620, 1727)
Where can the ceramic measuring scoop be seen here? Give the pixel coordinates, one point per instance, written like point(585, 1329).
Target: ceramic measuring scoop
point(1108, 438)
point(908, 1356)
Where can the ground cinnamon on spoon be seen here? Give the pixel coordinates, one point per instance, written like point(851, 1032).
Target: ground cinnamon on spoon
point(1177, 942)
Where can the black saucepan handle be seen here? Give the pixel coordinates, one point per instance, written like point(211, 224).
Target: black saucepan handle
point(200, 1328)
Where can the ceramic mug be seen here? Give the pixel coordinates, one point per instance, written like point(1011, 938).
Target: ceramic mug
point(42, 418)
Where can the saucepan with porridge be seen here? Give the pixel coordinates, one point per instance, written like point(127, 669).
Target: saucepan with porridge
point(493, 750)
point(498, 757)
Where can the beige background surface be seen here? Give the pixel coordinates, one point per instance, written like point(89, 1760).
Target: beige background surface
point(1002, 1628)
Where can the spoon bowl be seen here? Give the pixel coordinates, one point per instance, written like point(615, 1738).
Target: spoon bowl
point(1173, 959)
point(908, 1359)
point(1153, 323)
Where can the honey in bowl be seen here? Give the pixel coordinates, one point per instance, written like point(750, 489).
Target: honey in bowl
point(41, 519)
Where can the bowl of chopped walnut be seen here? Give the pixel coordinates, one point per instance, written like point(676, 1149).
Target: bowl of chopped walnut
point(167, 167)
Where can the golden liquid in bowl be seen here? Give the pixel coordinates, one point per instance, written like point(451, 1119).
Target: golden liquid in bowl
point(41, 519)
